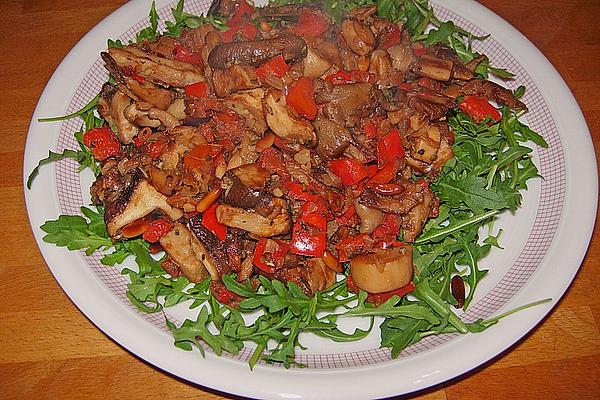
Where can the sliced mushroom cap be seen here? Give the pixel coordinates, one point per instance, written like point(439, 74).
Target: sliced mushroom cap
point(126, 131)
point(284, 125)
point(248, 104)
point(157, 69)
point(136, 201)
point(251, 221)
point(383, 271)
point(189, 253)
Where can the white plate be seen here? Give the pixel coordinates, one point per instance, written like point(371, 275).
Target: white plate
point(544, 242)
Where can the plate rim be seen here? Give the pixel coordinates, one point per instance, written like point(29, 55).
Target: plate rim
point(312, 378)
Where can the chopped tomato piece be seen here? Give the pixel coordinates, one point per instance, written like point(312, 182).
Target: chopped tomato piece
point(102, 142)
point(301, 98)
point(370, 129)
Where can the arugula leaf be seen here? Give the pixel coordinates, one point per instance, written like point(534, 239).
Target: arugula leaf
point(150, 32)
point(52, 157)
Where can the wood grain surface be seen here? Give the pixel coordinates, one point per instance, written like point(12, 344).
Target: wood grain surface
point(48, 349)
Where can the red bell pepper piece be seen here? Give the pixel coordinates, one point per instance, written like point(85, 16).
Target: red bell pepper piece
point(272, 160)
point(419, 51)
point(478, 108)
point(199, 89)
point(310, 23)
point(180, 53)
point(275, 66)
point(348, 247)
point(389, 228)
point(389, 148)
point(224, 295)
point(238, 23)
point(380, 298)
point(155, 149)
point(347, 217)
point(370, 129)
point(309, 236)
point(296, 191)
point(385, 174)
point(102, 142)
point(306, 243)
point(349, 170)
point(343, 77)
point(210, 222)
point(156, 229)
point(389, 38)
point(301, 97)
point(201, 154)
point(270, 254)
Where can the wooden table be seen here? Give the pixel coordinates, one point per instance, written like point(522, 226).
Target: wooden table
point(50, 350)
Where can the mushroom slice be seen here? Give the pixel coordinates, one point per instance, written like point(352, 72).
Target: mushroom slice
point(137, 200)
point(248, 104)
point(285, 125)
point(157, 69)
point(119, 103)
point(189, 253)
point(383, 271)
point(278, 223)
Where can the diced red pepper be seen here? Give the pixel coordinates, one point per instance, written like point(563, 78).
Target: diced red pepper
point(389, 38)
point(238, 23)
point(180, 53)
point(389, 148)
point(157, 229)
point(210, 222)
point(155, 149)
point(102, 142)
point(350, 246)
point(301, 97)
point(347, 217)
point(201, 154)
point(275, 66)
point(370, 129)
point(355, 76)
point(310, 23)
point(309, 236)
point(244, 9)
point(419, 51)
point(133, 73)
point(199, 89)
point(389, 228)
point(306, 243)
point(380, 298)
point(270, 254)
point(296, 191)
point(349, 170)
point(224, 295)
point(478, 108)
point(385, 174)
point(272, 160)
